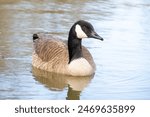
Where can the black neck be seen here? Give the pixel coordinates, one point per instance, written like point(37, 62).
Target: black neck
point(74, 46)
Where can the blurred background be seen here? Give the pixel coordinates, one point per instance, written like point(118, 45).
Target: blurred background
point(122, 59)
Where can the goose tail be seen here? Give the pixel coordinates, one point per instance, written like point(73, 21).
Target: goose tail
point(35, 37)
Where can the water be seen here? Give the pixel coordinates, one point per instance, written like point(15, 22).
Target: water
point(122, 60)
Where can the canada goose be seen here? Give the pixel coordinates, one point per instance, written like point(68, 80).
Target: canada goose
point(55, 55)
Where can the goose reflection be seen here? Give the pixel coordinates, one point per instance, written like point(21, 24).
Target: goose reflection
point(57, 82)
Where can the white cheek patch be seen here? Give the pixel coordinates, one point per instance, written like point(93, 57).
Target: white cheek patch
point(80, 33)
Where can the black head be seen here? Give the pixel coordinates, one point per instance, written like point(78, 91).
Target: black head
point(84, 29)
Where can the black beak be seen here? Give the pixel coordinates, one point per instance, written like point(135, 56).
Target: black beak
point(96, 36)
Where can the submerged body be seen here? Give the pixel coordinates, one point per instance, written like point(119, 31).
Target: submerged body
point(70, 58)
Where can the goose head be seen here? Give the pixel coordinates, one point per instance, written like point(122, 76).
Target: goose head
point(80, 29)
point(83, 29)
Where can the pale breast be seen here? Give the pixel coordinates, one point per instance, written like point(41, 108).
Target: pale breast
point(80, 67)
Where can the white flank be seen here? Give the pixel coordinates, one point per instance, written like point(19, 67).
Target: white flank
point(80, 67)
point(80, 33)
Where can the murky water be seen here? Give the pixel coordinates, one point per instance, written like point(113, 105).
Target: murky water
point(123, 59)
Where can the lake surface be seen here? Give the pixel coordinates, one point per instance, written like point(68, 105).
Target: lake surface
point(122, 59)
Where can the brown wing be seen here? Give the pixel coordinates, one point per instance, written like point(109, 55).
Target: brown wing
point(51, 50)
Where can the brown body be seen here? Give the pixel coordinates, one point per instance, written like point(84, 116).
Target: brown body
point(51, 54)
